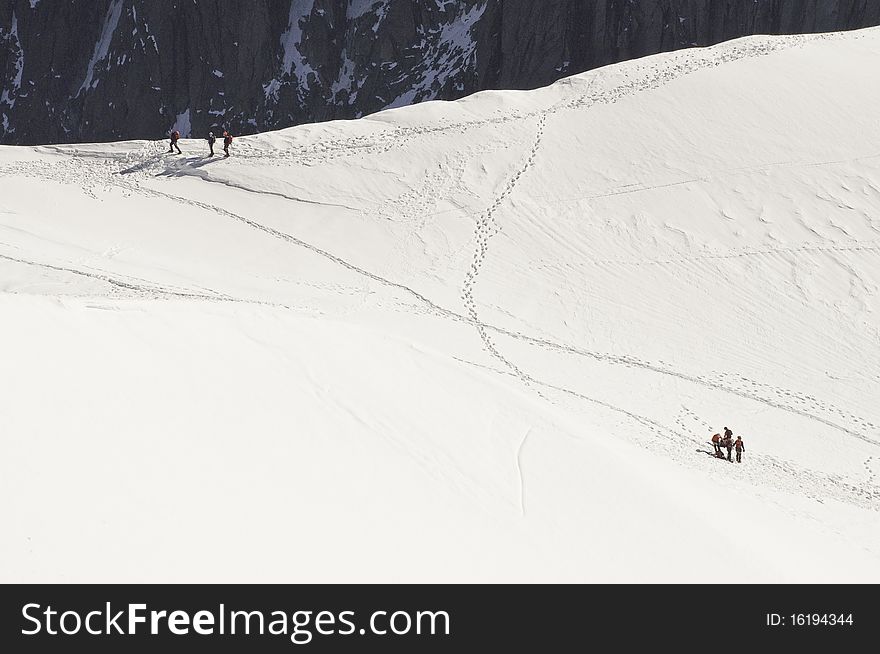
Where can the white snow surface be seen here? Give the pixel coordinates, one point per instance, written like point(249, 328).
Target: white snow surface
point(485, 340)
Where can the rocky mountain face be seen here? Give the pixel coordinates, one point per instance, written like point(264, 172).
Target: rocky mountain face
point(97, 70)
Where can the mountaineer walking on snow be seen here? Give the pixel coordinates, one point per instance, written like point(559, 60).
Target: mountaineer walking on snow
point(716, 443)
point(727, 442)
point(740, 448)
point(227, 141)
point(211, 140)
point(175, 136)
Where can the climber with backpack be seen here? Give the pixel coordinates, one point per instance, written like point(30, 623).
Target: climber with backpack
point(211, 140)
point(716, 443)
point(727, 443)
point(740, 448)
point(175, 137)
point(227, 141)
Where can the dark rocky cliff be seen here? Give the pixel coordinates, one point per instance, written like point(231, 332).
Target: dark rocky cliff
point(95, 70)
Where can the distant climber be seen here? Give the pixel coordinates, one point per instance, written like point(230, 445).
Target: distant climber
point(227, 141)
point(175, 137)
point(716, 443)
point(211, 141)
point(740, 448)
point(727, 442)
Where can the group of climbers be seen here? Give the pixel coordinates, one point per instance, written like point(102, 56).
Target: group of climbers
point(227, 141)
point(728, 443)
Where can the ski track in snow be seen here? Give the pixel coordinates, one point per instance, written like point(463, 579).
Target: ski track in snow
point(630, 189)
point(96, 170)
point(140, 287)
point(519, 471)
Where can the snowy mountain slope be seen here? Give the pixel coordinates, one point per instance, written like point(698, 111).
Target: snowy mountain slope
point(481, 340)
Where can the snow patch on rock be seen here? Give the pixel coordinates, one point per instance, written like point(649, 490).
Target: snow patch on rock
point(294, 62)
point(10, 94)
point(102, 47)
point(448, 51)
point(183, 123)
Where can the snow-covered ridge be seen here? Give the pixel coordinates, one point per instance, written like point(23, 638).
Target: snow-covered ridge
point(136, 64)
point(483, 340)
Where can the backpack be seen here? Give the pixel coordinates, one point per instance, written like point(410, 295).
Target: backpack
point(227, 140)
point(175, 135)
